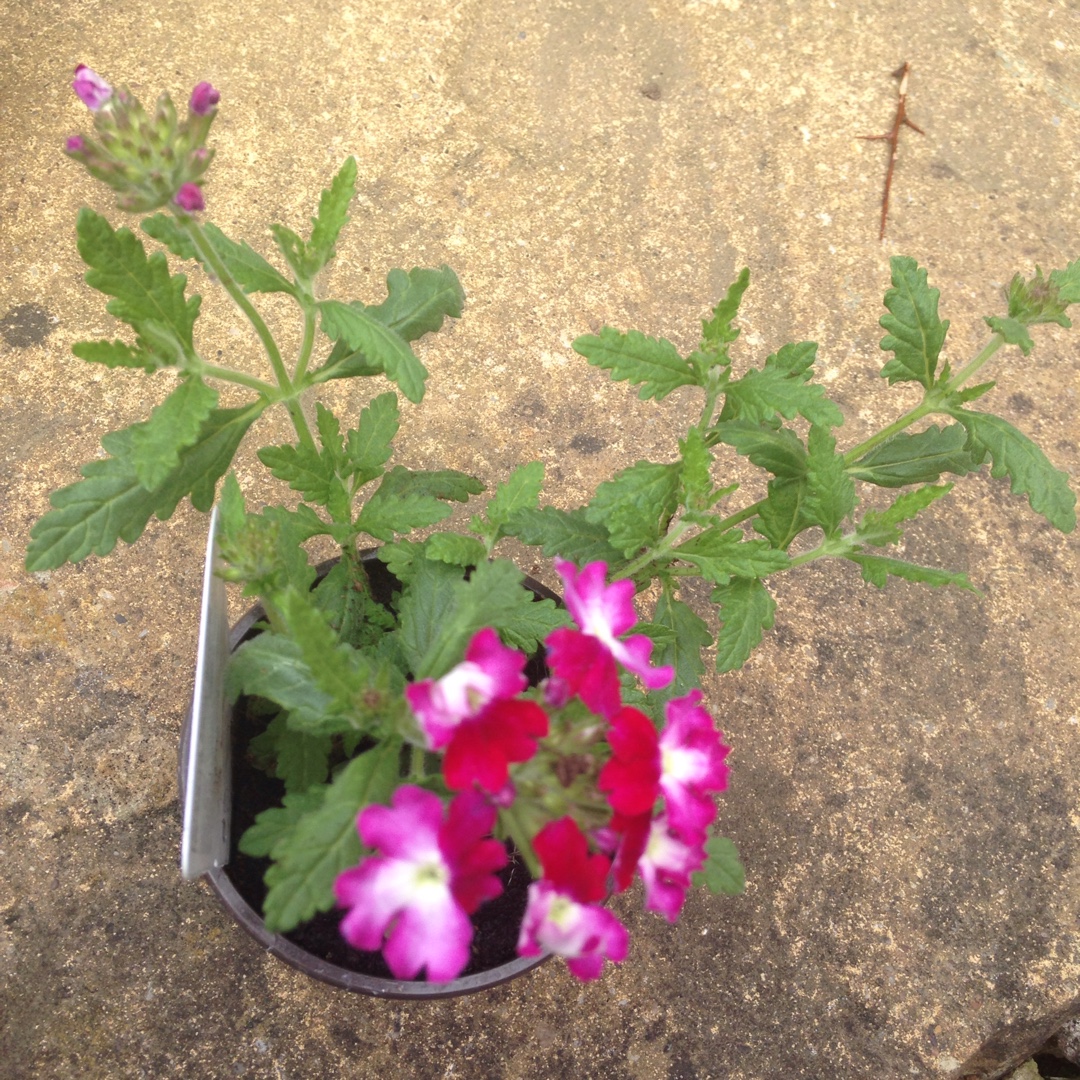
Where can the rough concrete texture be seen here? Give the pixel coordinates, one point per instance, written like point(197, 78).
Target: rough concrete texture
point(905, 791)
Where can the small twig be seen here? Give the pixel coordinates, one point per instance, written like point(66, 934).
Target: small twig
point(893, 138)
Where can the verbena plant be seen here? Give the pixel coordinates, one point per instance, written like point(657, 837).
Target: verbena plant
point(608, 768)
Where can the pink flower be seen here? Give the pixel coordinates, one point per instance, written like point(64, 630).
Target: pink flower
point(472, 713)
point(92, 89)
point(75, 144)
point(430, 876)
point(585, 659)
point(691, 765)
point(563, 914)
point(666, 865)
point(190, 198)
point(632, 775)
point(203, 98)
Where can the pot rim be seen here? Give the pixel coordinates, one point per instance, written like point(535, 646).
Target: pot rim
point(299, 958)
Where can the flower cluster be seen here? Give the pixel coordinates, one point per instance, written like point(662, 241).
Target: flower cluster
point(149, 161)
point(585, 786)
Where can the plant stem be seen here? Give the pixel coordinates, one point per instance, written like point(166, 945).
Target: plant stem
point(985, 353)
point(304, 356)
point(515, 827)
point(232, 375)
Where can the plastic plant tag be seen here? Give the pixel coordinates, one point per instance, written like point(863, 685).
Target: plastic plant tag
point(208, 766)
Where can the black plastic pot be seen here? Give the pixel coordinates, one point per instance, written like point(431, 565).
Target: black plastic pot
point(316, 948)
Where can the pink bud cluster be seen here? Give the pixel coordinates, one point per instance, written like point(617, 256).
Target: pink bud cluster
point(640, 805)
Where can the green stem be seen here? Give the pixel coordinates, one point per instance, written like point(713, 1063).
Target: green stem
point(231, 375)
point(985, 353)
point(304, 356)
point(924, 408)
point(515, 827)
point(663, 546)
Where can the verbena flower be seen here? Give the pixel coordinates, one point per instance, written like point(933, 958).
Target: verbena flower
point(203, 99)
point(563, 912)
point(585, 659)
point(691, 764)
point(666, 865)
point(92, 89)
point(190, 198)
point(430, 875)
point(631, 777)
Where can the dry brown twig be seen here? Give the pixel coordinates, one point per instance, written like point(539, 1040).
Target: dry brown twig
point(893, 138)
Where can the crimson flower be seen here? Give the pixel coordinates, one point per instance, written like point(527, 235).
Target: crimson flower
point(632, 775)
point(585, 659)
point(563, 913)
point(414, 899)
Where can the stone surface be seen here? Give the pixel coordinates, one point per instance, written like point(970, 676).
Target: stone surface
point(905, 792)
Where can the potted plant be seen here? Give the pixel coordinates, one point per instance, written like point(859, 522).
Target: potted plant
point(389, 698)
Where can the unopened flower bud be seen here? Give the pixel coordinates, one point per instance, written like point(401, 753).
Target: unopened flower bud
point(203, 98)
point(190, 198)
point(92, 89)
point(75, 144)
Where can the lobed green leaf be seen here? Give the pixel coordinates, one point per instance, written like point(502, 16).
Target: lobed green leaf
point(371, 443)
point(568, 533)
point(876, 569)
point(636, 505)
point(881, 527)
point(723, 872)
point(916, 459)
point(746, 612)
point(654, 363)
point(915, 333)
point(723, 554)
point(717, 333)
point(173, 425)
point(830, 492)
point(762, 394)
point(777, 450)
point(688, 636)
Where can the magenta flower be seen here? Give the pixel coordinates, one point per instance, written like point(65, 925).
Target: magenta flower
point(203, 98)
point(75, 144)
point(666, 865)
point(691, 765)
point(92, 89)
point(585, 659)
point(473, 713)
point(190, 198)
point(563, 914)
point(417, 894)
point(632, 775)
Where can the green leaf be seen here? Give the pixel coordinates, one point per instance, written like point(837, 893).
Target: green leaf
point(529, 621)
point(438, 483)
point(455, 549)
point(723, 872)
point(111, 504)
point(276, 824)
point(781, 516)
point(371, 443)
point(830, 492)
point(165, 230)
point(696, 481)
point(144, 294)
point(652, 362)
point(292, 248)
point(777, 450)
point(1043, 300)
point(876, 569)
point(881, 527)
point(717, 333)
point(689, 635)
point(1014, 332)
point(379, 344)
point(302, 760)
point(762, 394)
point(407, 500)
point(1067, 282)
point(636, 505)
point(427, 606)
point(114, 354)
point(746, 612)
point(795, 360)
point(173, 425)
point(521, 491)
point(306, 470)
point(272, 666)
point(1014, 455)
point(568, 533)
point(723, 554)
point(915, 333)
point(417, 302)
point(331, 219)
point(916, 459)
point(324, 841)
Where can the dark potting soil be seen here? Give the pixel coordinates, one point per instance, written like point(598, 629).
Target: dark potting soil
point(496, 924)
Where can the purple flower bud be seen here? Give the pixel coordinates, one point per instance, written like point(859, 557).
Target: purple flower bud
point(203, 98)
point(75, 144)
point(189, 198)
point(92, 89)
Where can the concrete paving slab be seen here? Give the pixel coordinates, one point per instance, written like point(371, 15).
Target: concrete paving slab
point(905, 790)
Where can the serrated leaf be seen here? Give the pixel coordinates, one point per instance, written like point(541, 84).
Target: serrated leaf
point(915, 333)
point(379, 344)
point(777, 450)
point(881, 527)
point(438, 483)
point(277, 823)
point(325, 842)
point(636, 505)
point(527, 624)
point(762, 394)
point(332, 216)
point(417, 302)
point(1014, 332)
point(326, 423)
point(371, 443)
point(427, 605)
point(723, 554)
point(110, 504)
point(302, 759)
point(876, 569)
point(272, 666)
point(165, 230)
point(780, 517)
point(568, 533)
point(695, 476)
point(795, 360)
point(689, 635)
point(830, 492)
point(1014, 455)
point(304, 469)
point(292, 248)
point(520, 491)
point(145, 295)
point(654, 363)
point(1067, 282)
point(173, 425)
point(407, 500)
point(916, 459)
point(723, 872)
point(455, 549)
point(114, 354)
point(746, 612)
point(717, 333)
